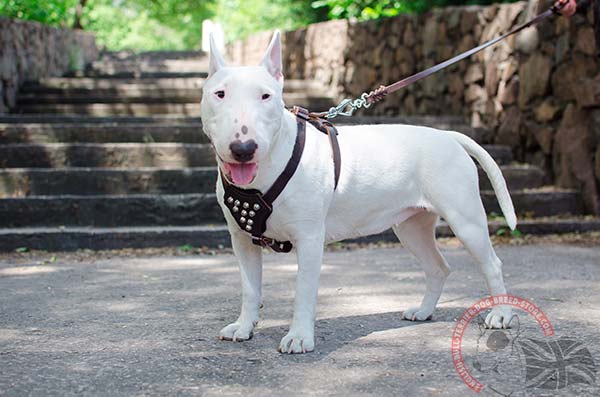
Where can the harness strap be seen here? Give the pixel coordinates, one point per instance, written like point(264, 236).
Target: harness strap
point(291, 166)
point(327, 128)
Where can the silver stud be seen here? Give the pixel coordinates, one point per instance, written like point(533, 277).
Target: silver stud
point(246, 205)
point(235, 209)
point(256, 207)
point(244, 212)
point(250, 222)
point(230, 200)
point(248, 227)
point(243, 220)
point(251, 213)
point(237, 203)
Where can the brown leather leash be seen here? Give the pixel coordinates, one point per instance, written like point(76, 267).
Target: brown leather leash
point(250, 208)
point(348, 106)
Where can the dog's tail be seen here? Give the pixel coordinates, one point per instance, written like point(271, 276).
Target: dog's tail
point(493, 172)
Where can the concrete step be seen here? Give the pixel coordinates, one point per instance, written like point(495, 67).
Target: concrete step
point(128, 55)
point(217, 236)
point(171, 155)
point(110, 210)
point(33, 100)
point(94, 181)
point(200, 208)
point(69, 86)
point(165, 155)
point(127, 73)
point(441, 122)
point(538, 202)
point(145, 108)
point(149, 65)
point(517, 177)
point(109, 110)
point(23, 182)
point(104, 96)
point(43, 133)
point(53, 119)
point(86, 84)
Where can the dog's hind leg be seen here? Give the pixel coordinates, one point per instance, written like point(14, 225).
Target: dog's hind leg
point(417, 234)
point(250, 261)
point(469, 224)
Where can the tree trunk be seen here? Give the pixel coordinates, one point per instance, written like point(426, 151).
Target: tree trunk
point(78, 13)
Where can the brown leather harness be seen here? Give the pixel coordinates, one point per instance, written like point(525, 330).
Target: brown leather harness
point(251, 209)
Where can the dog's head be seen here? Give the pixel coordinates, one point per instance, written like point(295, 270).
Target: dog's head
point(242, 110)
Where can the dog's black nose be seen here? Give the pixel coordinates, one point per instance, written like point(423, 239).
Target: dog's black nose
point(243, 151)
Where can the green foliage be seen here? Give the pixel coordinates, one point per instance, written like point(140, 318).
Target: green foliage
point(147, 24)
point(177, 24)
point(186, 248)
point(240, 18)
point(50, 12)
point(503, 231)
point(123, 24)
point(371, 9)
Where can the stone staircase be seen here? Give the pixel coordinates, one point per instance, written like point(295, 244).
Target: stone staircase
point(116, 158)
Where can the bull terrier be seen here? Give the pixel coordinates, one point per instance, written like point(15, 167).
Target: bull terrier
point(392, 176)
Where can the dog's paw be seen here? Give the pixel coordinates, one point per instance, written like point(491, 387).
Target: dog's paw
point(237, 332)
point(297, 342)
point(499, 317)
point(417, 314)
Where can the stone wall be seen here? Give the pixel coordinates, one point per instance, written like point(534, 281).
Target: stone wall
point(317, 52)
point(30, 50)
point(538, 92)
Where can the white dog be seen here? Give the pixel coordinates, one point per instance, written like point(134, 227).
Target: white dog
point(398, 176)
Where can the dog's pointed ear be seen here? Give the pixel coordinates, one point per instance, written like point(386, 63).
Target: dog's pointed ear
point(272, 59)
point(216, 60)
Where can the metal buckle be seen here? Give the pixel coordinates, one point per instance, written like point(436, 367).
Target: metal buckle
point(351, 105)
point(263, 241)
point(301, 112)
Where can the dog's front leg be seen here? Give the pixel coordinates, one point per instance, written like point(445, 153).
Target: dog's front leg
point(250, 261)
point(301, 337)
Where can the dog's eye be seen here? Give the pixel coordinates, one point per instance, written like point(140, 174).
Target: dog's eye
point(266, 96)
point(220, 94)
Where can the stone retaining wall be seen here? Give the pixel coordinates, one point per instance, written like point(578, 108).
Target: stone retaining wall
point(30, 50)
point(538, 92)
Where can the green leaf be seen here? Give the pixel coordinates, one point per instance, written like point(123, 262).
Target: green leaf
point(186, 248)
point(22, 249)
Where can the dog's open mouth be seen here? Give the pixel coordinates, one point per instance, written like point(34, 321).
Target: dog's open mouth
point(240, 173)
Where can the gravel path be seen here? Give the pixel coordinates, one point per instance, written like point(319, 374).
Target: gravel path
point(133, 325)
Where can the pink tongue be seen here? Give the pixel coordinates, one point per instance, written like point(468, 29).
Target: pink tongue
point(242, 174)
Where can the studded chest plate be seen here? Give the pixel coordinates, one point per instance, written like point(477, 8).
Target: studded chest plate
point(251, 212)
point(248, 209)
